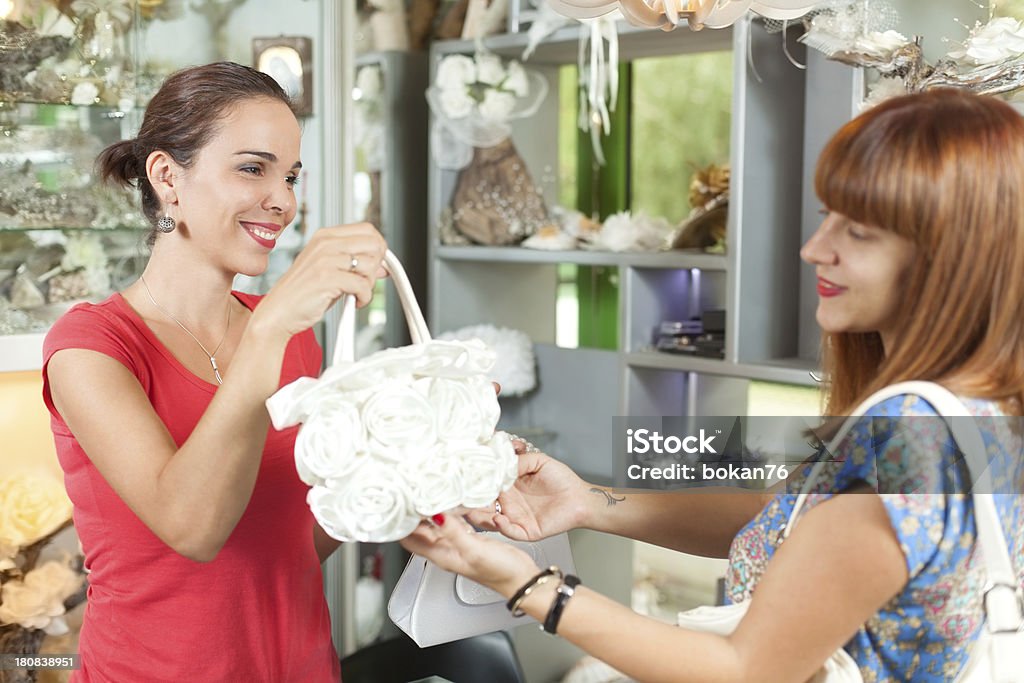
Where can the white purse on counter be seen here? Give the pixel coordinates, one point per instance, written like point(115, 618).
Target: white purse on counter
point(434, 606)
point(998, 654)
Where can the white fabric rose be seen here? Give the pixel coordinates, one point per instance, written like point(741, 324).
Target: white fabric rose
point(456, 359)
point(456, 103)
point(373, 504)
point(517, 81)
point(879, 43)
point(483, 470)
point(329, 444)
point(489, 69)
point(497, 105)
point(501, 443)
point(85, 93)
point(465, 409)
point(399, 422)
point(37, 601)
point(455, 72)
point(31, 508)
point(999, 39)
point(435, 482)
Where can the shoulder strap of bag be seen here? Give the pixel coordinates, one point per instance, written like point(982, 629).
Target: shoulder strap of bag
point(344, 349)
point(1004, 607)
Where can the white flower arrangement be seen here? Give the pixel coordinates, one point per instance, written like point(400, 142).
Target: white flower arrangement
point(481, 84)
point(401, 435)
point(474, 99)
point(998, 40)
point(32, 511)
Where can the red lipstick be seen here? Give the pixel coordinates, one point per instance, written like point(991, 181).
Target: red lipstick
point(829, 289)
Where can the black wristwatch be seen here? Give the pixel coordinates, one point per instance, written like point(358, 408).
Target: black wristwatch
point(564, 591)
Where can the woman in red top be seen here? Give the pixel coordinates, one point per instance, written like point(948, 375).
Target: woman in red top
point(204, 558)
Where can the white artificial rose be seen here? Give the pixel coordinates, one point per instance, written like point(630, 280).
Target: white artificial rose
point(329, 443)
point(466, 409)
point(368, 81)
point(85, 93)
point(37, 601)
point(517, 81)
point(879, 43)
point(483, 471)
point(399, 422)
point(497, 105)
point(31, 508)
point(456, 103)
point(501, 443)
point(998, 40)
point(372, 505)
point(455, 359)
point(435, 482)
point(489, 69)
point(455, 72)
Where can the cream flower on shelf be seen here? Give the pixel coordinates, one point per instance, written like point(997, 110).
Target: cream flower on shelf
point(31, 508)
point(368, 81)
point(455, 72)
point(37, 601)
point(489, 69)
point(457, 103)
point(497, 105)
point(85, 93)
point(996, 41)
point(8, 551)
point(517, 81)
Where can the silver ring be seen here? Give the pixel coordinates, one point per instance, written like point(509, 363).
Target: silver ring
point(354, 264)
point(497, 507)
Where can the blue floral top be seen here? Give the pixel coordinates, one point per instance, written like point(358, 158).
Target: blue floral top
point(901, 448)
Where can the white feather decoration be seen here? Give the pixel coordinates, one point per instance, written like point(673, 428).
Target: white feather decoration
point(515, 368)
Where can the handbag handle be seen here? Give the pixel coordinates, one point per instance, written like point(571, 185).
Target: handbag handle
point(1007, 615)
point(344, 349)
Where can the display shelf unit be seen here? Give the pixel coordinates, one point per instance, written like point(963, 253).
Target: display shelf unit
point(781, 117)
point(759, 282)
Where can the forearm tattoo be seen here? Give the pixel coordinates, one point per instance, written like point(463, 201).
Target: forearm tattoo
point(609, 499)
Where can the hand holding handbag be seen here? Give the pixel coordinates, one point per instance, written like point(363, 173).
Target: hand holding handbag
point(434, 606)
point(998, 654)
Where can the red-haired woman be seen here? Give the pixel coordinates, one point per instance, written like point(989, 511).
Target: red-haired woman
point(204, 558)
point(919, 263)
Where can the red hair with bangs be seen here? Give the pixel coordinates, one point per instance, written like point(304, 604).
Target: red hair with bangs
point(945, 169)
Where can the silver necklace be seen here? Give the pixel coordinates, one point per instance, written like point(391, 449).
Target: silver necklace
point(211, 356)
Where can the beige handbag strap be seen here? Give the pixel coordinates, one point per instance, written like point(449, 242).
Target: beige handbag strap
point(344, 349)
point(1002, 598)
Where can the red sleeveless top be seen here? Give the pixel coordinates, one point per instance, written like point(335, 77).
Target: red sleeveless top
point(257, 611)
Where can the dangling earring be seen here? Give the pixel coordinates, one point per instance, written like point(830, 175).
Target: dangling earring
point(166, 224)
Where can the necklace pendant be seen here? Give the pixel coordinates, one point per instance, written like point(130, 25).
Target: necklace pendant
point(216, 371)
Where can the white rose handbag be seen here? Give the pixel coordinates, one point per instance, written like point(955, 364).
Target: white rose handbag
point(400, 435)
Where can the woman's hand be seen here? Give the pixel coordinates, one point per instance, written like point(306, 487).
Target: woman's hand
point(547, 499)
point(344, 259)
point(452, 544)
